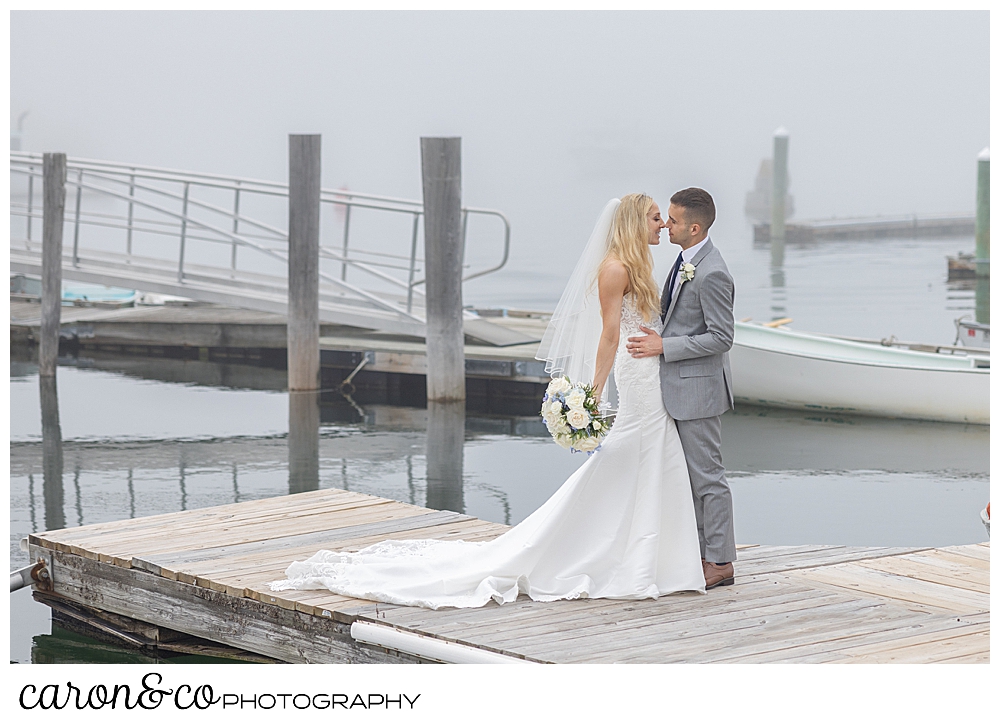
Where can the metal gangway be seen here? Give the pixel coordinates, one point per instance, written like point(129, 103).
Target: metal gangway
point(224, 240)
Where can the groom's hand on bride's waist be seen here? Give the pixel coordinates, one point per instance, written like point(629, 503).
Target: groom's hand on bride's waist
point(650, 345)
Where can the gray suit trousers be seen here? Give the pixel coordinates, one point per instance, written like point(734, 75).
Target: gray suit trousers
point(713, 502)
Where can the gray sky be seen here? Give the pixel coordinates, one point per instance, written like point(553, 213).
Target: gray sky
point(558, 111)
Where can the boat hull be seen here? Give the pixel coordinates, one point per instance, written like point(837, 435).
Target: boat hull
point(779, 375)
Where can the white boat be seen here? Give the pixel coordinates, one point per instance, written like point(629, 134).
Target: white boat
point(970, 333)
point(778, 367)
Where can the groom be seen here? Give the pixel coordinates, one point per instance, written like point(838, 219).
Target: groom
point(697, 311)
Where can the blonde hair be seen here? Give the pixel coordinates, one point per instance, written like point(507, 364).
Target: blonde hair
point(628, 243)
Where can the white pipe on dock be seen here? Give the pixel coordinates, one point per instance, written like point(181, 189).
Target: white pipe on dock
point(22, 577)
point(426, 647)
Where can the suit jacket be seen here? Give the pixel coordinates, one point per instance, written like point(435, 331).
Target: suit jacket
point(695, 378)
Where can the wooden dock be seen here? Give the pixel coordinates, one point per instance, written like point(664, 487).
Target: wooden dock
point(226, 334)
point(897, 227)
point(386, 368)
point(196, 582)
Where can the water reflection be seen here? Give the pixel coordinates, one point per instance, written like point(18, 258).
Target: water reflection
point(983, 300)
point(446, 456)
point(52, 454)
point(303, 441)
point(757, 439)
point(779, 305)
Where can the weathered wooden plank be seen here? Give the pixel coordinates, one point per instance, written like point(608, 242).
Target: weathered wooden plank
point(248, 579)
point(201, 528)
point(671, 631)
point(965, 562)
point(978, 658)
point(278, 561)
point(776, 634)
point(830, 555)
point(618, 624)
point(187, 529)
point(580, 616)
point(829, 648)
point(225, 530)
point(456, 527)
point(978, 550)
point(778, 639)
point(910, 639)
point(854, 577)
point(282, 634)
point(152, 544)
point(932, 651)
point(176, 560)
point(968, 579)
point(689, 641)
point(777, 551)
point(417, 616)
point(243, 509)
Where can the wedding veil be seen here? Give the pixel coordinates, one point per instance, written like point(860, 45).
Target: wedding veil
point(569, 346)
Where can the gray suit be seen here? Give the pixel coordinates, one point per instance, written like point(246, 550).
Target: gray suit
point(696, 383)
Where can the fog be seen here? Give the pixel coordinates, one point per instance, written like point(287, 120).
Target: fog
point(558, 111)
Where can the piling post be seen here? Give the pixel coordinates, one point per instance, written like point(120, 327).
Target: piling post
point(441, 165)
point(54, 204)
point(983, 238)
point(303, 262)
point(52, 454)
point(445, 456)
point(779, 190)
point(303, 441)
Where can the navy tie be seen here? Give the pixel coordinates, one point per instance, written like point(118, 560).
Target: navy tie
point(670, 283)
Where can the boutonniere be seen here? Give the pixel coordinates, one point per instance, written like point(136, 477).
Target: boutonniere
point(687, 271)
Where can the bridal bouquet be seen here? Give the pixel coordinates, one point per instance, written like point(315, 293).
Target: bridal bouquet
point(571, 415)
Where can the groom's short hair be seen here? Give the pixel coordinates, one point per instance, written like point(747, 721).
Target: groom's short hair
point(698, 205)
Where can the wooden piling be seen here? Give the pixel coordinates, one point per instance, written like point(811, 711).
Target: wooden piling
point(52, 454)
point(54, 204)
point(779, 191)
point(445, 456)
point(303, 262)
point(303, 441)
point(983, 238)
point(441, 164)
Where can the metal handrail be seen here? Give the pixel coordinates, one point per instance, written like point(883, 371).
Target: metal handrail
point(109, 171)
point(235, 238)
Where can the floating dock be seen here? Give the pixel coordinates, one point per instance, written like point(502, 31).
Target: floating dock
point(197, 582)
point(215, 333)
point(896, 227)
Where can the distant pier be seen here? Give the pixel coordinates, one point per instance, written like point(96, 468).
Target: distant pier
point(196, 581)
point(215, 333)
point(894, 227)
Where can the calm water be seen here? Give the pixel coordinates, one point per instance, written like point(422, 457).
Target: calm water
point(141, 437)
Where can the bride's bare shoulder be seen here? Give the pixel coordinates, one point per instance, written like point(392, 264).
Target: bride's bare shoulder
point(613, 277)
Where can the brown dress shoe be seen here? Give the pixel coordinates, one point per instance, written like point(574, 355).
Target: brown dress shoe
point(718, 575)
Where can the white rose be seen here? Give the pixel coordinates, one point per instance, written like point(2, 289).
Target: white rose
point(578, 418)
point(587, 444)
point(598, 426)
point(555, 407)
point(563, 441)
point(576, 399)
point(559, 386)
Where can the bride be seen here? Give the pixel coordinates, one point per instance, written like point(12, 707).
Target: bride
point(623, 525)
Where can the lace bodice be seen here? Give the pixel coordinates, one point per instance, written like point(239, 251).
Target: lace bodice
point(638, 380)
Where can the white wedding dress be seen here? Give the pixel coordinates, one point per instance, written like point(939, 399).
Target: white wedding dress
point(622, 526)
